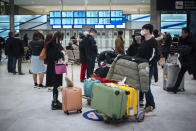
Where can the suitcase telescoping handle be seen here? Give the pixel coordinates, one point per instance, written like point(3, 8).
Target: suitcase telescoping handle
point(70, 63)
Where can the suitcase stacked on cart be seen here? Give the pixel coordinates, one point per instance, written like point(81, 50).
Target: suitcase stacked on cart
point(116, 102)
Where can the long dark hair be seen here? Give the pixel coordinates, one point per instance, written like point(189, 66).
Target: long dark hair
point(57, 35)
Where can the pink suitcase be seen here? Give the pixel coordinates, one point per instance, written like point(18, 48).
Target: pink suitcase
point(72, 99)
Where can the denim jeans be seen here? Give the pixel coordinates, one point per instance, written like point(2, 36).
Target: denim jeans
point(149, 96)
point(10, 64)
point(19, 59)
point(90, 66)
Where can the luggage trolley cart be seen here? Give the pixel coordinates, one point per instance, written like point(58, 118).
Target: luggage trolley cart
point(139, 115)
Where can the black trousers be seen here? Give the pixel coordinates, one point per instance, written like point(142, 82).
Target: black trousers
point(156, 76)
point(55, 93)
point(19, 59)
point(90, 65)
point(10, 64)
point(181, 75)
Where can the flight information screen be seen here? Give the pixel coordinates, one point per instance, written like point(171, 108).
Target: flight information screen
point(55, 13)
point(116, 21)
point(104, 21)
point(116, 13)
point(79, 21)
point(67, 21)
point(55, 21)
point(92, 14)
point(79, 13)
point(104, 13)
point(67, 14)
point(92, 21)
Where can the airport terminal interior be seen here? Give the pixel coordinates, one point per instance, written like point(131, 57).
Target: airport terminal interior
point(25, 106)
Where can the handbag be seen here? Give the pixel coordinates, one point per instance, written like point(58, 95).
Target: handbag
point(42, 55)
point(60, 68)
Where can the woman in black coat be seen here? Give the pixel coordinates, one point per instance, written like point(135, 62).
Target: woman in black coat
point(54, 53)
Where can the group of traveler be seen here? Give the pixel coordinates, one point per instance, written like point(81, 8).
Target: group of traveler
point(147, 44)
point(14, 49)
point(54, 52)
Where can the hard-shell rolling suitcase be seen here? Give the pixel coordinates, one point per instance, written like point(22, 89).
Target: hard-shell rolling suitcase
point(109, 101)
point(132, 98)
point(170, 74)
point(72, 99)
point(88, 85)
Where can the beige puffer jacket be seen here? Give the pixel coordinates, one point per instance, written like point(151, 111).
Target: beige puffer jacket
point(137, 73)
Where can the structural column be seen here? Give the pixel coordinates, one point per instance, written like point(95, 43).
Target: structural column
point(155, 18)
point(11, 3)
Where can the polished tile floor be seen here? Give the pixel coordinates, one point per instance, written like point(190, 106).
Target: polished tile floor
point(23, 108)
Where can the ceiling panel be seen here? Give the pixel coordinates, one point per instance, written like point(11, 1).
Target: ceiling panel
point(79, 2)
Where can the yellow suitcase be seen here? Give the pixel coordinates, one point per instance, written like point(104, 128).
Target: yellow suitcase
point(132, 98)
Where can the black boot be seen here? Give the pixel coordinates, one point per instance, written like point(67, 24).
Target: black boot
point(56, 104)
point(172, 89)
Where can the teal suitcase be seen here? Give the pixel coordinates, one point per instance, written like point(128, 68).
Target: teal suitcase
point(88, 85)
point(109, 101)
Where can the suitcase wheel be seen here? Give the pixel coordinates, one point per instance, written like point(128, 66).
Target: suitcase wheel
point(117, 93)
point(127, 93)
point(66, 112)
point(80, 111)
point(89, 102)
point(140, 116)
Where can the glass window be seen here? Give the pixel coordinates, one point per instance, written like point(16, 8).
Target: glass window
point(140, 17)
point(30, 18)
point(165, 25)
point(4, 26)
point(173, 17)
point(4, 18)
point(173, 31)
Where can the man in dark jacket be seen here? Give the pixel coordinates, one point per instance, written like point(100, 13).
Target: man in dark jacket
point(167, 41)
point(9, 41)
point(149, 50)
point(91, 51)
point(187, 58)
point(16, 49)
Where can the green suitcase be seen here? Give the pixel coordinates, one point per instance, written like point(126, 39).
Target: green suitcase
point(109, 101)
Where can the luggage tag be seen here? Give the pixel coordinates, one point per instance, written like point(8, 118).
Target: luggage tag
point(123, 81)
point(131, 113)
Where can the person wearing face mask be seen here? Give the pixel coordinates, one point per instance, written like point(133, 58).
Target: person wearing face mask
point(137, 40)
point(149, 50)
point(90, 51)
point(54, 52)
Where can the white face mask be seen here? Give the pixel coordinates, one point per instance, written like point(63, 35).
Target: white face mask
point(142, 32)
